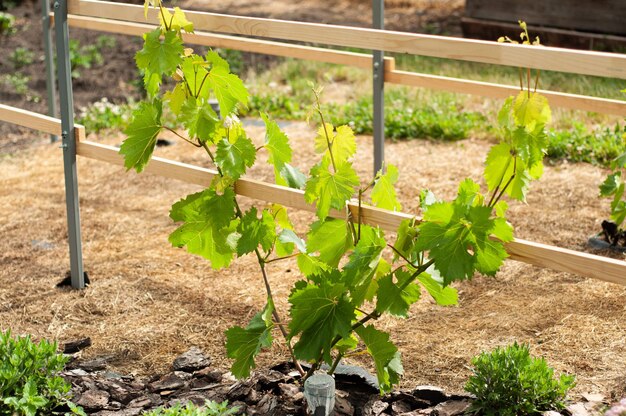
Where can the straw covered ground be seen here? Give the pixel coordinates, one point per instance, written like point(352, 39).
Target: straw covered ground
point(149, 302)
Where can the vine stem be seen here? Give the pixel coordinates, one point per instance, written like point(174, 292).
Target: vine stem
point(268, 289)
point(508, 183)
point(537, 80)
point(318, 108)
point(497, 188)
point(181, 136)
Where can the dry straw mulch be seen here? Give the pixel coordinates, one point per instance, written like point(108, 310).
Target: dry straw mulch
point(148, 302)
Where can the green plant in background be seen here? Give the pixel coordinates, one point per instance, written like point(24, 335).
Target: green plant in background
point(21, 57)
point(509, 382)
point(613, 187)
point(210, 408)
point(18, 83)
point(87, 56)
point(351, 274)
point(7, 23)
point(29, 380)
point(105, 115)
point(578, 144)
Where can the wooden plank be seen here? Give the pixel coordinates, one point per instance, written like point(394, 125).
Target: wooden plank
point(310, 53)
point(487, 89)
point(584, 264)
point(543, 255)
point(555, 59)
point(73, 6)
point(246, 187)
point(606, 16)
point(36, 121)
point(30, 119)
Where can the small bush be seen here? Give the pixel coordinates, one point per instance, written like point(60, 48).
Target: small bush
point(7, 23)
point(104, 115)
point(29, 381)
point(85, 57)
point(509, 382)
point(578, 144)
point(211, 408)
point(21, 57)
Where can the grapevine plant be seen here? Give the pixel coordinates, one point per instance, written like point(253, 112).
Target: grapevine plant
point(351, 273)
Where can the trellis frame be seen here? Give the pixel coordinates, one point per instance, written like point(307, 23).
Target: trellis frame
point(129, 19)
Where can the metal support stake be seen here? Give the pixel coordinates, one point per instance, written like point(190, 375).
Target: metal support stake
point(378, 14)
point(49, 60)
point(68, 143)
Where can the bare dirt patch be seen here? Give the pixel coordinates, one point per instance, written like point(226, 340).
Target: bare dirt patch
point(149, 302)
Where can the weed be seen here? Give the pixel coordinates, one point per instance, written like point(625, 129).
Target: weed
point(578, 144)
point(7, 23)
point(21, 57)
point(509, 382)
point(210, 408)
point(29, 380)
point(85, 57)
point(18, 83)
point(104, 115)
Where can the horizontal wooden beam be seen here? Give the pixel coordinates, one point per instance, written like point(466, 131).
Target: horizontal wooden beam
point(309, 53)
point(487, 89)
point(547, 58)
point(36, 121)
point(543, 255)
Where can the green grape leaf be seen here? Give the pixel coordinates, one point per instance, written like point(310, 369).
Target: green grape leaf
point(427, 198)
point(256, 232)
point(620, 161)
point(318, 315)
point(208, 228)
point(384, 194)
point(277, 145)
point(406, 236)
point(195, 74)
point(141, 134)
point(215, 60)
point(505, 119)
point(342, 142)
point(331, 238)
point(293, 177)
point(235, 154)
point(176, 22)
point(228, 89)
point(443, 295)
point(611, 184)
point(347, 344)
point(617, 196)
point(243, 345)
point(311, 265)
point(330, 190)
point(281, 216)
point(531, 110)
point(386, 356)
point(469, 193)
point(530, 146)
point(458, 237)
point(287, 236)
point(198, 118)
point(499, 169)
point(363, 263)
point(394, 298)
point(158, 56)
point(176, 98)
point(618, 212)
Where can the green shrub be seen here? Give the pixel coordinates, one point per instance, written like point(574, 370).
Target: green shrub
point(21, 57)
point(104, 115)
point(509, 382)
point(210, 408)
point(578, 144)
point(85, 57)
point(7, 23)
point(29, 381)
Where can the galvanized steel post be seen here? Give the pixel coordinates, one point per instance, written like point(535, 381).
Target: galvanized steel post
point(49, 61)
point(378, 17)
point(68, 143)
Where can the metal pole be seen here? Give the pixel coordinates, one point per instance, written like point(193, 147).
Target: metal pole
point(378, 17)
point(47, 44)
point(68, 143)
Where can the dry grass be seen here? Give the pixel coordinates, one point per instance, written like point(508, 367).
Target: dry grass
point(148, 301)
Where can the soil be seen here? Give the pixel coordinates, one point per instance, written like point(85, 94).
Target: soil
point(148, 302)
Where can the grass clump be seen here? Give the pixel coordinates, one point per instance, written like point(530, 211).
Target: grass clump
point(509, 382)
point(29, 380)
point(599, 147)
point(210, 408)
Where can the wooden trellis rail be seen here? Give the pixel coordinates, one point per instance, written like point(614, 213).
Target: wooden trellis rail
point(543, 255)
